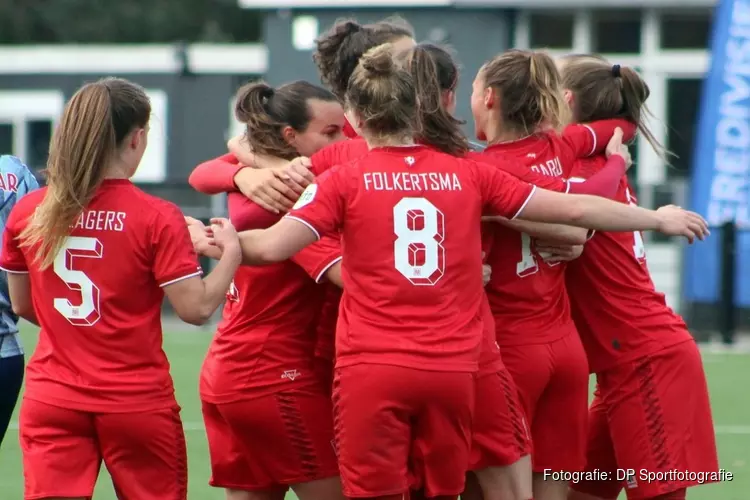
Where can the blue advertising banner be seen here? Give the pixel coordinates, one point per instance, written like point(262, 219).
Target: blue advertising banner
point(720, 184)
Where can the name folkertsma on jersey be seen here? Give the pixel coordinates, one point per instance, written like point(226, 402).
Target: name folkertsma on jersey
point(407, 181)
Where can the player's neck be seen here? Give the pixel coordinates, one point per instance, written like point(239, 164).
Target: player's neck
point(501, 136)
point(389, 141)
point(117, 171)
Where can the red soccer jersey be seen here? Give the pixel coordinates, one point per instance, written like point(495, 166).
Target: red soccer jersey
point(99, 305)
point(527, 295)
point(266, 339)
point(409, 218)
point(617, 311)
point(349, 130)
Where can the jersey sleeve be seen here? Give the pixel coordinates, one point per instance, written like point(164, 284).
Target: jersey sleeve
point(318, 258)
point(12, 259)
point(502, 193)
point(603, 182)
point(216, 176)
point(321, 206)
point(588, 139)
point(245, 214)
point(173, 256)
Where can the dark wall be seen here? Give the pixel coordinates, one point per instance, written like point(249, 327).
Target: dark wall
point(475, 34)
point(197, 121)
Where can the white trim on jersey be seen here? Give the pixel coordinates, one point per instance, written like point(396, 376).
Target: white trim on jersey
point(13, 272)
point(533, 190)
point(191, 275)
point(593, 135)
point(325, 269)
point(317, 234)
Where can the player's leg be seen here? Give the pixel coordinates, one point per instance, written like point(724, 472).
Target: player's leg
point(229, 467)
point(600, 455)
point(60, 454)
point(11, 379)
point(442, 431)
point(559, 427)
point(501, 444)
point(373, 410)
point(145, 453)
point(660, 419)
point(531, 368)
point(286, 439)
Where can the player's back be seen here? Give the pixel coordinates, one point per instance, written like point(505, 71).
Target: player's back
point(527, 295)
point(412, 260)
point(617, 311)
point(99, 305)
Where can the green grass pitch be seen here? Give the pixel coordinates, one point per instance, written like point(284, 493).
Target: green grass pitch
point(727, 374)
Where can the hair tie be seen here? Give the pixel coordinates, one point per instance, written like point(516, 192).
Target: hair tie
point(616, 71)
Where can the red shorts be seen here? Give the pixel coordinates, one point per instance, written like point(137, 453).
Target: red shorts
point(271, 442)
point(324, 373)
point(651, 415)
point(553, 383)
point(500, 435)
point(399, 428)
point(63, 450)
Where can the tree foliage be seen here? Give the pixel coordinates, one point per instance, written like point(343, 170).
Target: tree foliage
point(126, 21)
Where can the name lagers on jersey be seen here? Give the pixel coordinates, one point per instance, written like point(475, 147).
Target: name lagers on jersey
point(552, 168)
point(8, 182)
point(100, 220)
point(407, 181)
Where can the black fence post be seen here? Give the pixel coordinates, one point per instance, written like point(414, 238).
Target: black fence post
point(727, 317)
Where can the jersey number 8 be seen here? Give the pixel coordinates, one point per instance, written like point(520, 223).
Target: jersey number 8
point(87, 313)
point(418, 251)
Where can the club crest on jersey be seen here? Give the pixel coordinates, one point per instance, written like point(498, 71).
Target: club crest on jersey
point(291, 374)
point(307, 196)
point(410, 160)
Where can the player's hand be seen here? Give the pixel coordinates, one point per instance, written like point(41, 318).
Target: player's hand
point(200, 236)
point(553, 253)
point(266, 188)
point(486, 274)
point(224, 235)
point(616, 147)
point(298, 174)
point(674, 221)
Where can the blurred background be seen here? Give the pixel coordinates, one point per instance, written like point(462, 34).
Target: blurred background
point(191, 56)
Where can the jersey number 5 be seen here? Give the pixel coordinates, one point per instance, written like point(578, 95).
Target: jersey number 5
point(87, 313)
point(418, 251)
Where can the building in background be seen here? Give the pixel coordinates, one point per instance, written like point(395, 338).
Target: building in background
point(192, 86)
point(665, 40)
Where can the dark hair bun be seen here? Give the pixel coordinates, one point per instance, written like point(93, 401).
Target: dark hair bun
point(350, 27)
point(378, 61)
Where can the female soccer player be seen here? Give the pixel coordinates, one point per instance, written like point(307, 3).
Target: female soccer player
point(15, 181)
point(90, 258)
point(500, 443)
point(268, 417)
point(651, 409)
point(518, 108)
point(409, 333)
point(277, 187)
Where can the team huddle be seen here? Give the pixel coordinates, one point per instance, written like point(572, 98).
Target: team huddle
point(405, 316)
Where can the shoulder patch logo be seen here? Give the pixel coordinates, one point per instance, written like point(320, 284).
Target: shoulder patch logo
point(306, 197)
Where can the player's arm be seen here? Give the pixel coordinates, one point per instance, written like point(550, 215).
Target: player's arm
point(176, 269)
point(318, 212)
point(216, 175)
point(591, 138)
point(322, 260)
point(19, 287)
point(558, 233)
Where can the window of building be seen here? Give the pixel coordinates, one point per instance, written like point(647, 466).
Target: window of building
point(616, 31)
point(552, 30)
point(6, 138)
point(153, 167)
point(683, 98)
point(686, 29)
point(38, 135)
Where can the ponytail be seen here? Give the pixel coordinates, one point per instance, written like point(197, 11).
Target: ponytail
point(531, 95)
point(93, 125)
point(435, 73)
point(263, 129)
point(545, 80)
point(602, 90)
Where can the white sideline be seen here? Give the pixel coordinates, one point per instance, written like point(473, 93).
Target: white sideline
point(721, 430)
